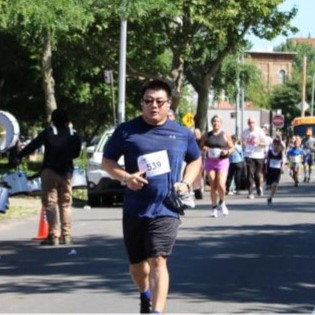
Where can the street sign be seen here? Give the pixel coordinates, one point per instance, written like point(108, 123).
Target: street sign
point(188, 120)
point(306, 106)
point(108, 76)
point(278, 121)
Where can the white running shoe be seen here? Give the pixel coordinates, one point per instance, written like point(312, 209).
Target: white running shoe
point(222, 208)
point(251, 196)
point(214, 213)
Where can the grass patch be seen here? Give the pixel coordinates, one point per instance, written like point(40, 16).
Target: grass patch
point(24, 205)
point(21, 206)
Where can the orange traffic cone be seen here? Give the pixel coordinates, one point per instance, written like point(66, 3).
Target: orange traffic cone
point(43, 226)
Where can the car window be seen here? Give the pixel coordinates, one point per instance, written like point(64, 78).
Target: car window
point(104, 139)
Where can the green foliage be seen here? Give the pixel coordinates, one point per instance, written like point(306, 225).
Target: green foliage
point(256, 91)
point(232, 72)
point(179, 40)
point(29, 167)
point(286, 97)
point(33, 20)
point(301, 50)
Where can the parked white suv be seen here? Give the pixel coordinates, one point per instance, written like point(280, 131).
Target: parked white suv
point(102, 188)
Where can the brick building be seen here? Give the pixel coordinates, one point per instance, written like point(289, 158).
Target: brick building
point(302, 40)
point(275, 67)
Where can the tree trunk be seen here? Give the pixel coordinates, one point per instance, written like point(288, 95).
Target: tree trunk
point(202, 85)
point(48, 80)
point(177, 77)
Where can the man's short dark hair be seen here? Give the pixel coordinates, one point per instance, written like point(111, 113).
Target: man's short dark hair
point(157, 85)
point(59, 117)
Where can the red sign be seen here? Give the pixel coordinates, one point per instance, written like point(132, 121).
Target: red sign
point(278, 121)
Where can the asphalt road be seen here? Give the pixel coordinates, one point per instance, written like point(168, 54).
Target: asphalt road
point(259, 259)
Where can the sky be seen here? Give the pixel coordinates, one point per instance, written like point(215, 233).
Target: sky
point(304, 21)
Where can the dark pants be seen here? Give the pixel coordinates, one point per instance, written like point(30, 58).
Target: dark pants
point(235, 171)
point(254, 173)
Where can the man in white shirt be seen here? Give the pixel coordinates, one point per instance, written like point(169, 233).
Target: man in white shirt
point(254, 143)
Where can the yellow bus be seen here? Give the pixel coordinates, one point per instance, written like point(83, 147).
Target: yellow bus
point(301, 124)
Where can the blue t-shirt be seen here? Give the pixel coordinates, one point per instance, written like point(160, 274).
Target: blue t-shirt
point(237, 156)
point(136, 138)
point(295, 155)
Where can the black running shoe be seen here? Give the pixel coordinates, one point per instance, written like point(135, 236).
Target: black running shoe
point(269, 200)
point(145, 305)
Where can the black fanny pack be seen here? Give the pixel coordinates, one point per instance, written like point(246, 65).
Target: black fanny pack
point(174, 202)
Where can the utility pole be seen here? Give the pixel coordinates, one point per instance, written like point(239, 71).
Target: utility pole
point(242, 101)
point(109, 79)
point(122, 71)
point(237, 103)
point(313, 87)
point(303, 87)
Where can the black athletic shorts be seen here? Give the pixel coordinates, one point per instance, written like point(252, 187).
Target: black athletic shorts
point(149, 237)
point(273, 175)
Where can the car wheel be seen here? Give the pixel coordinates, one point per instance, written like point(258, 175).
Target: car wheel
point(94, 200)
point(107, 200)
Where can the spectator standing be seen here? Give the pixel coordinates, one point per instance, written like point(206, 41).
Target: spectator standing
point(235, 168)
point(154, 148)
point(254, 143)
point(308, 145)
point(217, 144)
point(62, 144)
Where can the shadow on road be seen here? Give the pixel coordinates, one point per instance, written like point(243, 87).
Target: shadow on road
point(234, 268)
point(270, 266)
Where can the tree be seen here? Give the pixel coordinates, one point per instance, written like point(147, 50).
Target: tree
point(287, 96)
point(231, 71)
point(182, 40)
point(39, 25)
point(208, 31)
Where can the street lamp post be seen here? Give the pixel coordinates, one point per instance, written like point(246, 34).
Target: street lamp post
point(122, 71)
point(303, 86)
point(312, 102)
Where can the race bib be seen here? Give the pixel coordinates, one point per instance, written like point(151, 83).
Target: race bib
point(214, 153)
point(295, 158)
point(307, 151)
point(275, 163)
point(154, 164)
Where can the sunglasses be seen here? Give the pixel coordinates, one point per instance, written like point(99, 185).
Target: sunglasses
point(150, 101)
